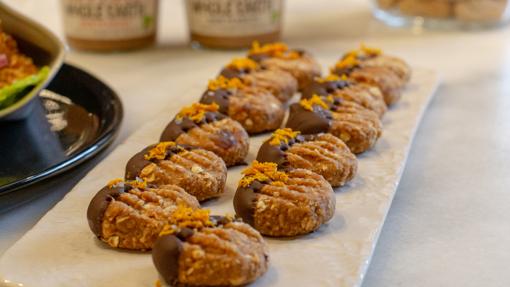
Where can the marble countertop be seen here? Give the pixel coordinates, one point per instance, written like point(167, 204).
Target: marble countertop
point(448, 225)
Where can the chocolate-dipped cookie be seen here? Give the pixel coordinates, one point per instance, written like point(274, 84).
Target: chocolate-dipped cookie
point(203, 126)
point(200, 172)
point(131, 214)
point(368, 96)
point(279, 82)
point(283, 203)
point(255, 108)
point(388, 82)
point(374, 57)
point(300, 64)
point(357, 126)
point(322, 153)
point(220, 252)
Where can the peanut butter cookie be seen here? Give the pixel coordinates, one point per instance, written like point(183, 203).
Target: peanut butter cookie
point(131, 214)
point(322, 153)
point(374, 57)
point(366, 95)
point(382, 77)
point(278, 203)
point(200, 172)
point(357, 126)
point(219, 252)
point(256, 109)
point(300, 64)
point(203, 126)
point(280, 83)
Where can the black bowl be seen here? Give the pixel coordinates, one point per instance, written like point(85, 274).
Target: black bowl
point(60, 132)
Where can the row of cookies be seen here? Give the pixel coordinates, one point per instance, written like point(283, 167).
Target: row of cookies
point(188, 161)
point(157, 205)
point(288, 191)
point(195, 148)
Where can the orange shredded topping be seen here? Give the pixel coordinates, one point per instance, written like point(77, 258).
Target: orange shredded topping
point(243, 63)
point(278, 50)
point(315, 100)
point(330, 99)
point(157, 283)
point(186, 217)
point(349, 61)
point(263, 172)
point(364, 51)
point(115, 182)
point(196, 112)
point(224, 83)
point(329, 78)
point(140, 184)
point(282, 135)
point(159, 151)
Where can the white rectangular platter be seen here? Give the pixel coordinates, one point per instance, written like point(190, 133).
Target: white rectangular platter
point(61, 250)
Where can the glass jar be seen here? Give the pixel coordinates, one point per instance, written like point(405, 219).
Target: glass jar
point(234, 23)
point(443, 13)
point(110, 25)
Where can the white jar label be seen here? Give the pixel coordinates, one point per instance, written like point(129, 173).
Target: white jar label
point(234, 18)
point(109, 19)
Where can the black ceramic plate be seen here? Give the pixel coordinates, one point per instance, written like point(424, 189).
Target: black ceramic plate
point(71, 122)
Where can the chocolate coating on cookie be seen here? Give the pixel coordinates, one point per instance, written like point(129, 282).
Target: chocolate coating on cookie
point(231, 72)
point(138, 162)
point(276, 153)
point(244, 201)
point(323, 88)
point(98, 206)
point(179, 126)
point(309, 122)
point(165, 255)
point(219, 96)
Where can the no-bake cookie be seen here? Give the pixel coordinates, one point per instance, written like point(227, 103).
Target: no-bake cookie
point(283, 203)
point(255, 108)
point(202, 125)
point(131, 214)
point(322, 153)
point(368, 96)
point(200, 172)
point(379, 72)
point(374, 57)
point(298, 63)
point(217, 252)
point(357, 126)
point(280, 83)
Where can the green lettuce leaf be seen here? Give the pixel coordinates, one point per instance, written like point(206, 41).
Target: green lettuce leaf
point(10, 94)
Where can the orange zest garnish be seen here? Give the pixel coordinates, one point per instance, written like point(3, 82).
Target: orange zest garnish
point(364, 51)
point(266, 172)
point(140, 184)
point(159, 151)
point(329, 78)
point(196, 112)
point(347, 62)
point(224, 83)
point(115, 182)
point(243, 63)
point(282, 135)
point(186, 217)
point(278, 50)
point(315, 100)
